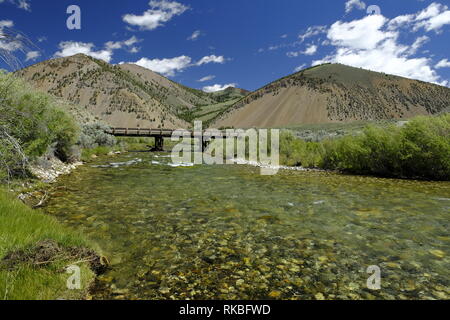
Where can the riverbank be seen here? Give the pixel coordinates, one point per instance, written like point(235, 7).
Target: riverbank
point(419, 149)
point(36, 249)
point(34, 254)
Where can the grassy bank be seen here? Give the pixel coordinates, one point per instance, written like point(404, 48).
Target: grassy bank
point(20, 230)
point(34, 248)
point(418, 150)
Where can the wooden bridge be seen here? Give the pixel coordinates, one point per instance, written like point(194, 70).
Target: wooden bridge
point(160, 134)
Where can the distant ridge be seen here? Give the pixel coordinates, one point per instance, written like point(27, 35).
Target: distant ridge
point(123, 95)
point(335, 93)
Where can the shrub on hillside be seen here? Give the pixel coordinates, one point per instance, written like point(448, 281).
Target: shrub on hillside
point(93, 135)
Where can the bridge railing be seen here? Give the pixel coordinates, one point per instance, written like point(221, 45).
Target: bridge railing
point(165, 132)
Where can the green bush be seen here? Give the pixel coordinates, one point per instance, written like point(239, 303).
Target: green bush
point(93, 135)
point(297, 152)
point(31, 123)
point(420, 149)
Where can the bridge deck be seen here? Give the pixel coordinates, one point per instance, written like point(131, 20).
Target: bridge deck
point(158, 133)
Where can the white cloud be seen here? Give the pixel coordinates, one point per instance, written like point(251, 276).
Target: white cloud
point(371, 43)
point(218, 87)
point(309, 51)
point(420, 41)
point(21, 4)
point(360, 34)
point(170, 66)
point(195, 35)
point(312, 49)
point(9, 41)
point(352, 4)
point(6, 24)
point(211, 59)
point(115, 45)
point(312, 31)
point(70, 48)
point(400, 21)
point(443, 64)
point(159, 13)
point(432, 18)
point(300, 68)
point(32, 55)
point(207, 78)
point(167, 67)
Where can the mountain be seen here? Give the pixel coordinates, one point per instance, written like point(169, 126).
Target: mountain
point(224, 99)
point(335, 93)
point(121, 95)
point(229, 94)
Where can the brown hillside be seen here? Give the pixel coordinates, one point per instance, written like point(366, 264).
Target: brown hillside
point(122, 95)
point(335, 93)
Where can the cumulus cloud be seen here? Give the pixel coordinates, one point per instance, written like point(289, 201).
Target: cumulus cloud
point(130, 44)
point(360, 34)
point(207, 78)
point(70, 48)
point(369, 43)
point(309, 51)
point(354, 4)
point(32, 55)
point(443, 64)
point(211, 59)
point(218, 87)
point(159, 13)
point(432, 18)
point(167, 67)
point(170, 66)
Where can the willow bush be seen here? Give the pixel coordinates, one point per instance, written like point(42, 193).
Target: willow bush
point(418, 150)
point(31, 123)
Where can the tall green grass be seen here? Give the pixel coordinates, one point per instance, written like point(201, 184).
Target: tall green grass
point(20, 229)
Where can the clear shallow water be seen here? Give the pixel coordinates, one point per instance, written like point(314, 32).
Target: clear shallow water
point(225, 232)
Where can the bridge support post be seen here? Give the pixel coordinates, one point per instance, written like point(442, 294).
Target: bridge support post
point(159, 143)
point(205, 144)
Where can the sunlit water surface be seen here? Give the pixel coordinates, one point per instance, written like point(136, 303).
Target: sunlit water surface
point(226, 232)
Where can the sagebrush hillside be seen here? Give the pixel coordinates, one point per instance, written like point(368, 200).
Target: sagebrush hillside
point(121, 95)
point(335, 93)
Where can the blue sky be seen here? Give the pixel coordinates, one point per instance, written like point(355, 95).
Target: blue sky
point(209, 44)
